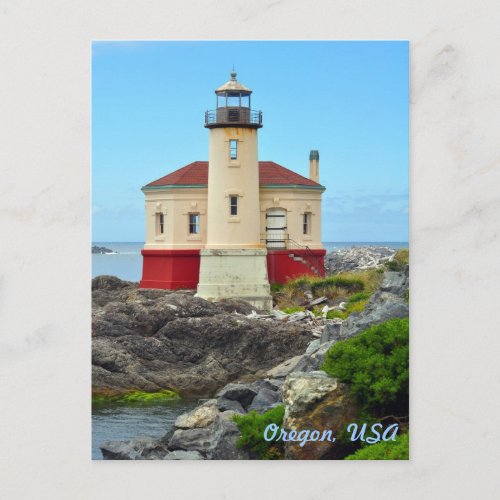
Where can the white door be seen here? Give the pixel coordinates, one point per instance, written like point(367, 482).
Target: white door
point(276, 228)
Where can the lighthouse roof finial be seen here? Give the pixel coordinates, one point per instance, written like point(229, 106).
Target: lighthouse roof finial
point(233, 85)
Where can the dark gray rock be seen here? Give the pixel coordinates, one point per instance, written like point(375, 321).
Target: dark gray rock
point(264, 400)
point(228, 434)
point(224, 404)
point(141, 448)
point(242, 393)
point(159, 339)
point(313, 361)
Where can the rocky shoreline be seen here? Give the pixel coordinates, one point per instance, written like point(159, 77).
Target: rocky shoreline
point(152, 339)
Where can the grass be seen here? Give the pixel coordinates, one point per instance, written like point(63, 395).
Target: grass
point(351, 287)
point(135, 397)
point(400, 261)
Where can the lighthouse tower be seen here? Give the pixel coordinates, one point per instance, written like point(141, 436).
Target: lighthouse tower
point(233, 262)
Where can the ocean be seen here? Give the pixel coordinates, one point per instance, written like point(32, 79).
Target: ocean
point(126, 263)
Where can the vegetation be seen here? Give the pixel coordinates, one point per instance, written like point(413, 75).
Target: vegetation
point(136, 397)
point(400, 260)
point(375, 364)
point(337, 288)
point(252, 427)
point(385, 450)
point(294, 309)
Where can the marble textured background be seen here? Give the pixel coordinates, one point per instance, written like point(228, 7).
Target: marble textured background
point(45, 259)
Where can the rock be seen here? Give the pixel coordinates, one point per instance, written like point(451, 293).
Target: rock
point(313, 346)
point(228, 434)
point(224, 404)
point(298, 316)
point(396, 282)
point(201, 440)
point(243, 393)
point(141, 448)
point(331, 331)
point(265, 399)
point(283, 369)
point(381, 307)
point(216, 441)
point(313, 361)
point(354, 258)
point(199, 417)
point(160, 339)
point(183, 455)
point(315, 401)
point(101, 250)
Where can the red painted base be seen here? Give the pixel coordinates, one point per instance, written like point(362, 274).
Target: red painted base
point(281, 267)
point(176, 269)
point(170, 269)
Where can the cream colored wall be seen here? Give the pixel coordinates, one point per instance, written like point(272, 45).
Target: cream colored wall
point(295, 202)
point(233, 177)
point(175, 204)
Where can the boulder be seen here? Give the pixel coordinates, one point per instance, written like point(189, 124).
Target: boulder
point(283, 369)
point(264, 400)
point(224, 404)
point(331, 331)
point(214, 442)
point(396, 282)
point(141, 448)
point(242, 393)
point(313, 346)
point(199, 417)
point(201, 440)
point(381, 307)
point(315, 401)
point(313, 361)
point(160, 339)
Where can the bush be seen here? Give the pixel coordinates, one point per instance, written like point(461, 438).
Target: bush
point(385, 450)
point(252, 427)
point(291, 310)
point(375, 364)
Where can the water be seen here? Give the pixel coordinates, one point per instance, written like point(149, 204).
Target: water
point(127, 262)
point(116, 422)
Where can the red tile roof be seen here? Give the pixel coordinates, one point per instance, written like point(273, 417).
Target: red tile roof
point(196, 173)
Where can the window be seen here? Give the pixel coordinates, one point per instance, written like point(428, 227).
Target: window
point(194, 223)
point(233, 205)
point(160, 223)
point(233, 149)
point(306, 223)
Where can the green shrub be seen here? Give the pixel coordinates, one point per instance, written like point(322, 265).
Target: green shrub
point(349, 284)
point(375, 364)
point(252, 426)
point(385, 450)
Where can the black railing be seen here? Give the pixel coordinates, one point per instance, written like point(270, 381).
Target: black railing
point(221, 117)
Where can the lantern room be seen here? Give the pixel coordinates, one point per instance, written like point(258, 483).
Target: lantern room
point(233, 107)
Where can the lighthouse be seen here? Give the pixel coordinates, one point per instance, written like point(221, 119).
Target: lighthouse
point(233, 263)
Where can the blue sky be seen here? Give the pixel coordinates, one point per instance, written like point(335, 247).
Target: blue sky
point(349, 100)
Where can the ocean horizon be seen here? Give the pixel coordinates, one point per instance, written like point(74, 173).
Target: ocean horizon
point(126, 263)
